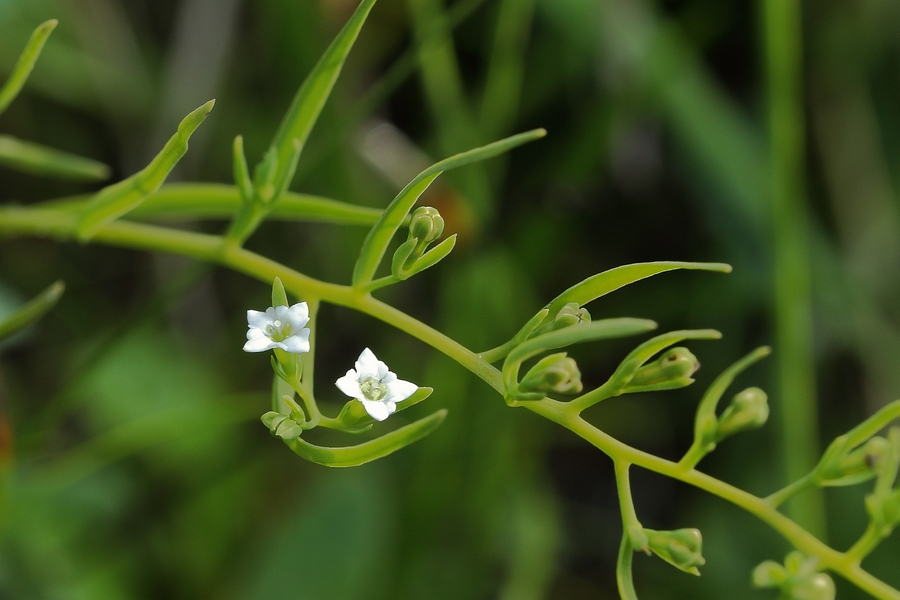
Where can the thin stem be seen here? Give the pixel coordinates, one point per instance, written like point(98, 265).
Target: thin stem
point(630, 523)
point(794, 533)
point(595, 396)
point(694, 455)
point(379, 283)
point(498, 353)
point(624, 579)
point(784, 494)
point(866, 543)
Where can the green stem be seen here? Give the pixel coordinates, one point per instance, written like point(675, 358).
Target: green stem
point(624, 579)
point(790, 490)
point(793, 305)
point(803, 540)
point(869, 540)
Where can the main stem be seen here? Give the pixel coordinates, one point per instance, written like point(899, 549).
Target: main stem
point(56, 224)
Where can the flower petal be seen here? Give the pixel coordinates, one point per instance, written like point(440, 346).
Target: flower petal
point(258, 344)
point(367, 365)
point(400, 390)
point(391, 406)
point(257, 319)
point(349, 384)
point(298, 315)
point(377, 410)
point(297, 343)
point(270, 314)
point(381, 370)
point(254, 333)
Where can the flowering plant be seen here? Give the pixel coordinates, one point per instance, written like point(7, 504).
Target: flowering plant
point(551, 386)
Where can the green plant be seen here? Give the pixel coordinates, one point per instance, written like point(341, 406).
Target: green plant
point(855, 457)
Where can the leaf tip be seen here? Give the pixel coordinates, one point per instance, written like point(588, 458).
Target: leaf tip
point(48, 26)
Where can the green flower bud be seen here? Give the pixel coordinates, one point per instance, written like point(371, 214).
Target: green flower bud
point(670, 371)
point(856, 466)
point(884, 511)
point(553, 373)
point(425, 225)
point(286, 427)
point(568, 316)
point(749, 409)
point(798, 579)
point(682, 548)
point(769, 574)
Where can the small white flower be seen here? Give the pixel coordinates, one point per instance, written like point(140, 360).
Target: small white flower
point(278, 327)
point(375, 386)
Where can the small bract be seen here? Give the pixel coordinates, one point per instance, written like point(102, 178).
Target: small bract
point(278, 327)
point(375, 386)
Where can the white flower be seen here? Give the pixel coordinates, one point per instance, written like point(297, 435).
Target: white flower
point(278, 327)
point(375, 386)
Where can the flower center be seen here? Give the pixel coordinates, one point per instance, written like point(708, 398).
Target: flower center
point(373, 389)
point(278, 331)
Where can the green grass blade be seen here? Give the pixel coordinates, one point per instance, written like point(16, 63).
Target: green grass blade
point(352, 456)
point(311, 97)
point(609, 281)
point(26, 61)
point(118, 199)
point(40, 160)
point(32, 311)
point(380, 235)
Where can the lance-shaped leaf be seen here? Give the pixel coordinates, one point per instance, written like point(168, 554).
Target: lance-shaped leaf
point(596, 330)
point(426, 261)
point(379, 237)
point(118, 199)
point(351, 456)
point(609, 281)
point(26, 61)
point(311, 97)
point(32, 311)
point(40, 160)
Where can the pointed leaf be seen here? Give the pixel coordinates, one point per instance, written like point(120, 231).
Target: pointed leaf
point(116, 200)
point(32, 311)
point(379, 237)
point(26, 61)
point(433, 256)
point(609, 281)
point(596, 330)
point(351, 456)
point(311, 97)
point(41, 160)
point(241, 170)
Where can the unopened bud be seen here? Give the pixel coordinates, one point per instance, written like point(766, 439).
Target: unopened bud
point(670, 371)
point(798, 579)
point(749, 409)
point(426, 225)
point(817, 587)
point(682, 548)
point(283, 426)
point(769, 574)
point(568, 316)
point(554, 373)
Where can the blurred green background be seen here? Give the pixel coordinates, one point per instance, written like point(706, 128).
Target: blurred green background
point(135, 463)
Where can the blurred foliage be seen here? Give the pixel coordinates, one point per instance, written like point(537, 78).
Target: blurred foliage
point(131, 461)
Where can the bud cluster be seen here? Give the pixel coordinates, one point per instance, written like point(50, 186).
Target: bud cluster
point(681, 548)
point(798, 579)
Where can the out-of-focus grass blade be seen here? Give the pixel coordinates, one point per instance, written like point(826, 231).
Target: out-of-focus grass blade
point(311, 97)
point(609, 281)
point(114, 201)
point(351, 456)
point(26, 61)
point(32, 311)
point(40, 160)
point(380, 235)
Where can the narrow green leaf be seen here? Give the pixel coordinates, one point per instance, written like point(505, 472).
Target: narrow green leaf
point(596, 330)
point(648, 349)
point(241, 171)
point(32, 311)
point(311, 97)
point(279, 296)
point(609, 281)
point(873, 424)
point(26, 61)
point(351, 456)
point(118, 199)
point(432, 257)
point(41, 160)
point(379, 237)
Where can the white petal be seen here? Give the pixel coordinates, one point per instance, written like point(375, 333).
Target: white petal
point(367, 365)
point(381, 370)
point(298, 315)
point(282, 313)
point(258, 344)
point(391, 406)
point(389, 377)
point(350, 385)
point(377, 410)
point(254, 333)
point(400, 390)
point(257, 319)
point(298, 343)
point(270, 314)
